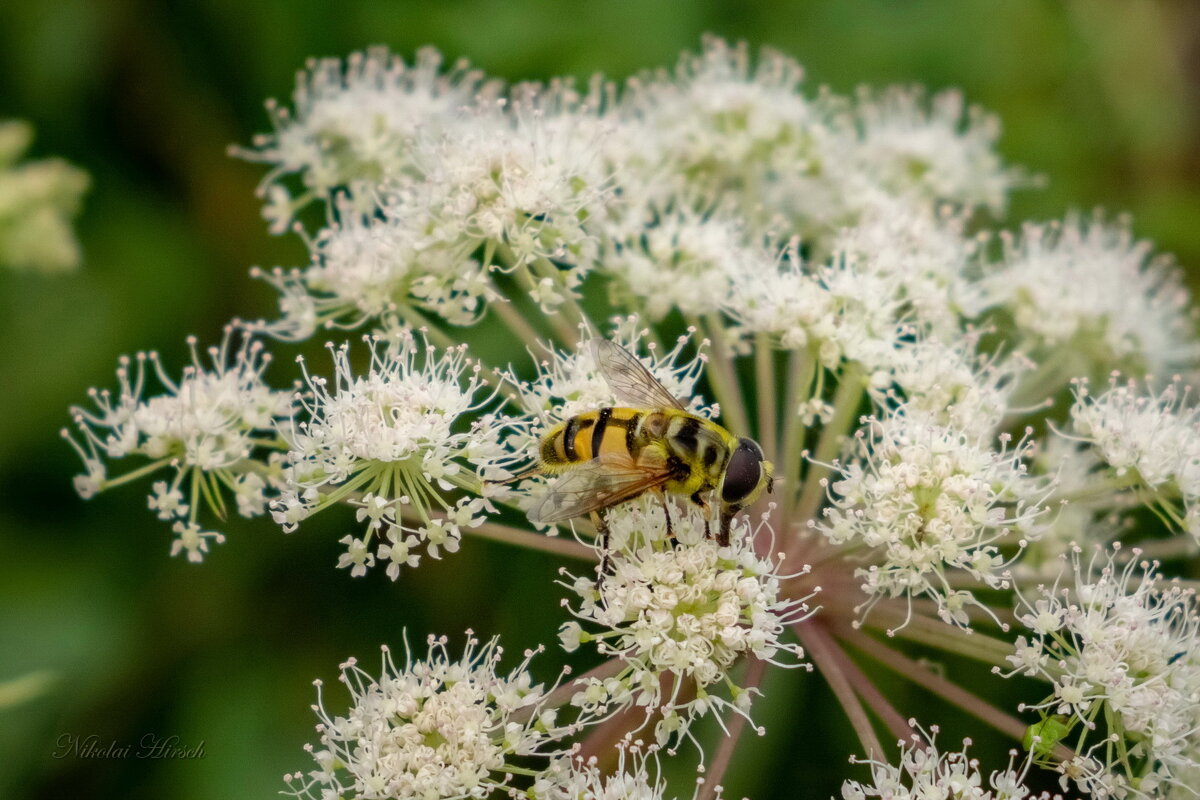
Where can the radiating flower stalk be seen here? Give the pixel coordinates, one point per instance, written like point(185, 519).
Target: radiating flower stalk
point(811, 270)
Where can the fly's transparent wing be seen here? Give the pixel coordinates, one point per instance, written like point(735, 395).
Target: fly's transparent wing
point(629, 379)
point(595, 485)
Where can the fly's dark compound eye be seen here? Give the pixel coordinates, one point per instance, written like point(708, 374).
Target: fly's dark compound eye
point(744, 473)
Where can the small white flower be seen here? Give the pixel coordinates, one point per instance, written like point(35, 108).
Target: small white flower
point(193, 540)
point(634, 778)
point(1091, 292)
point(1120, 647)
point(927, 499)
point(430, 728)
point(690, 611)
point(390, 435)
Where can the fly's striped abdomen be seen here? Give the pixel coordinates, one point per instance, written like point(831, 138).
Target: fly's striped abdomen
point(588, 435)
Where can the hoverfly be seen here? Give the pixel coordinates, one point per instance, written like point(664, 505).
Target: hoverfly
point(611, 455)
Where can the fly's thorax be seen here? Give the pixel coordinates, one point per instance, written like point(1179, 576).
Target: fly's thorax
point(702, 445)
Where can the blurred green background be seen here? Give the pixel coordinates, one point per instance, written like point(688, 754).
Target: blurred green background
point(1100, 96)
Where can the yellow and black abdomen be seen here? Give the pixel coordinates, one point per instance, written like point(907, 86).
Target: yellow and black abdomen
point(588, 435)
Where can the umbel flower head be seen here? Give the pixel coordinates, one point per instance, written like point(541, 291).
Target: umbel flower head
point(207, 427)
point(930, 499)
point(392, 442)
point(1149, 441)
point(926, 772)
point(1121, 648)
point(687, 609)
point(436, 727)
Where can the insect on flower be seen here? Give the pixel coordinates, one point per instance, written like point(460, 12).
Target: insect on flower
point(612, 455)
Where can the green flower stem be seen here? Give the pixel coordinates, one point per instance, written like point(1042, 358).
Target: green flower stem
point(571, 304)
point(801, 368)
point(715, 773)
point(845, 411)
point(567, 334)
point(820, 646)
point(722, 376)
point(516, 322)
point(140, 472)
point(764, 371)
point(942, 636)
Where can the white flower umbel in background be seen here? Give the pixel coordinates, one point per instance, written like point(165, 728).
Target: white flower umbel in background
point(215, 428)
point(816, 265)
point(687, 609)
point(393, 443)
point(38, 200)
point(1085, 297)
point(1150, 443)
point(436, 727)
point(1121, 647)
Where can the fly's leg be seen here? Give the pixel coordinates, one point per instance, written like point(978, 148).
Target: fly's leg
point(602, 528)
point(662, 496)
point(723, 534)
point(699, 501)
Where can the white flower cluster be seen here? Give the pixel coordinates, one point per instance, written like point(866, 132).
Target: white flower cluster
point(689, 609)
point(1088, 292)
point(951, 384)
point(928, 499)
point(573, 778)
point(208, 427)
point(38, 199)
point(359, 122)
point(925, 772)
point(389, 441)
point(1150, 441)
point(1121, 648)
point(443, 195)
point(433, 728)
point(721, 127)
point(436, 181)
point(901, 269)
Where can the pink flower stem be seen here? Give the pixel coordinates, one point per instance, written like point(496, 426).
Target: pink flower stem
point(737, 724)
point(927, 678)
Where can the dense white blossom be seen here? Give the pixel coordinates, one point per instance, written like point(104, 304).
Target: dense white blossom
point(900, 271)
point(38, 199)
point(1147, 439)
point(1121, 648)
point(925, 772)
point(1089, 296)
point(952, 384)
point(357, 123)
point(208, 427)
point(574, 778)
point(933, 147)
point(431, 728)
point(687, 609)
point(926, 499)
point(389, 440)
